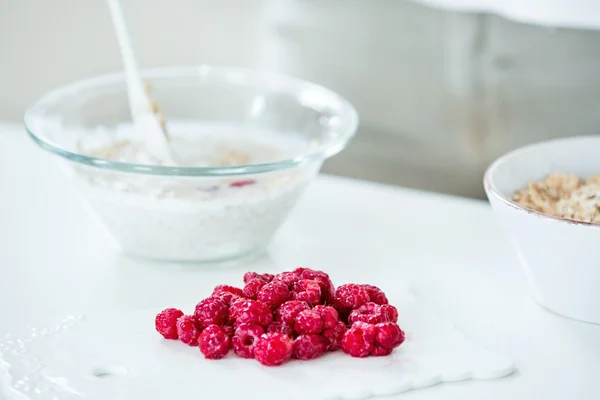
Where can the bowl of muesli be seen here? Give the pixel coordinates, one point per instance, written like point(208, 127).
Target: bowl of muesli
point(547, 198)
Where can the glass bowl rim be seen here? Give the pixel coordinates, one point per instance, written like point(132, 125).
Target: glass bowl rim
point(284, 83)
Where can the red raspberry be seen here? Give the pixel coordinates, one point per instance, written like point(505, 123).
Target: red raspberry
point(329, 316)
point(308, 273)
point(359, 340)
point(308, 321)
point(327, 292)
point(188, 330)
point(166, 322)
point(368, 312)
point(236, 308)
point(248, 276)
point(350, 295)
point(253, 287)
point(274, 294)
point(389, 313)
point(254, 312)
point(308, 347)
point(245, 338)
point(211, 311)
point(214, 342)
point(335, 336)
point(227, 293)
point(229, 330)
point(308, 291)
point(280, 327)
point(238, 184)
point(344, 313)
point(289, 278)
point(376, 295)
point(298, 271)
point(227, 297)
point(327, 288)
point(288, 311)
point(228, 289)
point(273, 349)
point(389, 335)
point(267, 277)
point(380, 351)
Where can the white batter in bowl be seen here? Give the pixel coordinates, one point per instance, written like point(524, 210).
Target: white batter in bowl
point(249, 143)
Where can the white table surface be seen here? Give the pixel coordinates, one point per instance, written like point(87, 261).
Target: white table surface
point(54, 261)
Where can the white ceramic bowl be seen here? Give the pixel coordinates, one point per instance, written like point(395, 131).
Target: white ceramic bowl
point(561, 258)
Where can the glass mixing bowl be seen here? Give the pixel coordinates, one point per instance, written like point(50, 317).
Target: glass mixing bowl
point(199, 212)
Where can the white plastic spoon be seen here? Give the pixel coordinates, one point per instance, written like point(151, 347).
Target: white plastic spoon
point(146, 123)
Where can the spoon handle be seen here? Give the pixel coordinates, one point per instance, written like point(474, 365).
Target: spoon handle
point(138, 99)
point(142, 111)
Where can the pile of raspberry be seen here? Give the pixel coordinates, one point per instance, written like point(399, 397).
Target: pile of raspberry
point(297, 314)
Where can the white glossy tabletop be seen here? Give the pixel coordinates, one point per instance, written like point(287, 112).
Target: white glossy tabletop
point(55, 260)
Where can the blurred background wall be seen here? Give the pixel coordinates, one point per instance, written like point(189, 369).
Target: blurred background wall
point(440, 93)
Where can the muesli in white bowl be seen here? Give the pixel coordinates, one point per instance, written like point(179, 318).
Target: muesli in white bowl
point(248, 143)
point(547, 197)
